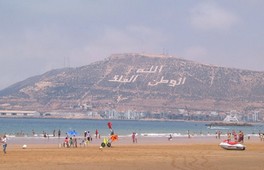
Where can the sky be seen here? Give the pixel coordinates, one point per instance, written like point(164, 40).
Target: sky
point(37, 36)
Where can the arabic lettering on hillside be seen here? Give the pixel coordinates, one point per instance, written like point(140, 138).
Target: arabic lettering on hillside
point(171, 82)
point(153, 69)
point(124, 79)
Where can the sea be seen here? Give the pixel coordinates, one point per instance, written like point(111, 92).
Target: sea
point(28, 127)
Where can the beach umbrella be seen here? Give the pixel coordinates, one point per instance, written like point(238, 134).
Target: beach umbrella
point(72, 133)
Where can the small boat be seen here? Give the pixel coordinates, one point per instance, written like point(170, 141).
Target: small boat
point(229, 145)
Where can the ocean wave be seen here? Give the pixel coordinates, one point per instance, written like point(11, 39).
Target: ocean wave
point(217, 128)
point(161, 134)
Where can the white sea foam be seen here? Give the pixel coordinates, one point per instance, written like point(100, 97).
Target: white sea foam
point(217, 128)
point(161, 134)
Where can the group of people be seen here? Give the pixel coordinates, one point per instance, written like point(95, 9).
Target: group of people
point(218, 134)
point(53, 133)
point(70, 142)
point(4, 142)
point(73, 141)
point(232, 135)
point(237, 137)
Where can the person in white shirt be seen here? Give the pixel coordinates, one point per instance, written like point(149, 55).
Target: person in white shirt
point(4, 143)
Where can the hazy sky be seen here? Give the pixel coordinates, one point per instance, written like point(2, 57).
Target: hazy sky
point(39, 35)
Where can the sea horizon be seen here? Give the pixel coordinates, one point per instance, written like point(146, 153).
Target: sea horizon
point(36, 127)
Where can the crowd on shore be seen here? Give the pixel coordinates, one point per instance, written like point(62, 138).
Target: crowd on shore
point(232, 135)
point(72, 141)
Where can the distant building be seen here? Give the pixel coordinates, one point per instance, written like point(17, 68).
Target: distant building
point(18, 113)
point(230, 118)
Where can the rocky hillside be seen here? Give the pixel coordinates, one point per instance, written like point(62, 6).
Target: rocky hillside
point(149, 83)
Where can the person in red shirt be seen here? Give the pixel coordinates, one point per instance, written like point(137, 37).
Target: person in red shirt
point(96, 133)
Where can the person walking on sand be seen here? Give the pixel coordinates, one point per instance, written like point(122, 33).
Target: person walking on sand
point(4, 143)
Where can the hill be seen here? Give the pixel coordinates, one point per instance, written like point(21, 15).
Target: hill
point(140, 82)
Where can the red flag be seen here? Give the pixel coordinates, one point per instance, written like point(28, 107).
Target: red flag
point(109, 125)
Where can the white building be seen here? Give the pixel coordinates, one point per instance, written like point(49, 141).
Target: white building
point(18, 113)
point(231, 118)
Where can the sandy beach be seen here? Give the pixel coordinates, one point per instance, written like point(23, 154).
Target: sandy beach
point(147, 154)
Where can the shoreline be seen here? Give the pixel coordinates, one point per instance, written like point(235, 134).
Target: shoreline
point(148, 154)
point(141, 140)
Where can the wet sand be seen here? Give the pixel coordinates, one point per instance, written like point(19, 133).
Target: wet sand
point(182, 154)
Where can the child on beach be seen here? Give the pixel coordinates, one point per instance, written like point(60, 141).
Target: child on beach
point(66, 142)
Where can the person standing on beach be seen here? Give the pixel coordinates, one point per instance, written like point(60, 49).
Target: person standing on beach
point(4, 144)
point(235, 135)
point(75, 141)
point(170, 137)
point(59, 133)
point(85, 134)
point(96, 133)
point(134, 138)
point(241, 137)
point(89, 137)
